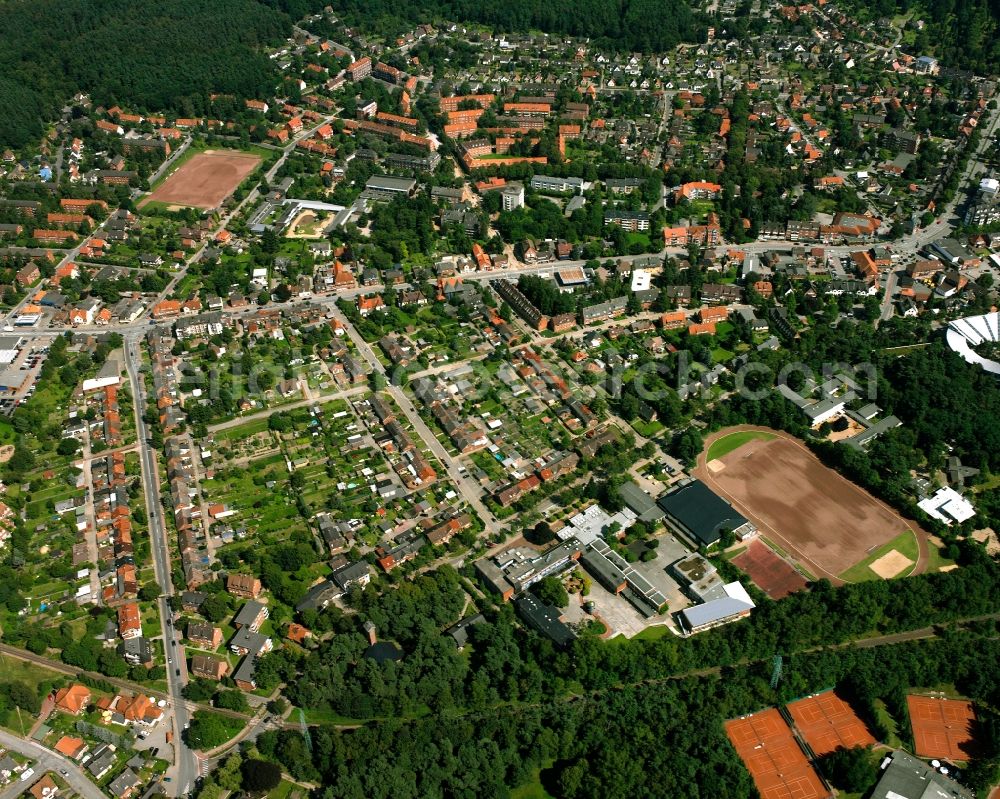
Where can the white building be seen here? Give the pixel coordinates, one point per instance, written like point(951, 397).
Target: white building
point(641, 280)
point(10, 346)
point(512, 196)
point(947, 506)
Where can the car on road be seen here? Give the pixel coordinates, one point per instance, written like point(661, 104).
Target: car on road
point(177, 673)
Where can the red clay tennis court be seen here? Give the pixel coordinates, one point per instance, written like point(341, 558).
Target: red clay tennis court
point(826, 721)
point(770, 572)
point(779, 769)
point(942, 728)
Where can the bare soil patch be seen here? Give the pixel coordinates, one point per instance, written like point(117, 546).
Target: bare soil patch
point(826, 521)
point(205, 180)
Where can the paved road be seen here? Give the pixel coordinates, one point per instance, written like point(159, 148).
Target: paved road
point(47, 760)
point(169, 162)
point(467, 487)
point(887, 296)
point(185, 768)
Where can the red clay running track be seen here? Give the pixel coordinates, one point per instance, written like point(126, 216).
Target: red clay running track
point(823, 520)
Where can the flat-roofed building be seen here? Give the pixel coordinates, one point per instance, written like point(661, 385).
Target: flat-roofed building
point(700, 515)
point(386, 187)
point(735, 604)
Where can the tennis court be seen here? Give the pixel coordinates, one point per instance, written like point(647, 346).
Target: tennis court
point(779, 769)
point(826, 721)
point(942, 728)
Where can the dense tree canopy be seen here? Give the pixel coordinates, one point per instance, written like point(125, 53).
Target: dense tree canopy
point(608, 743)
point(646, 25)
point(164, 56)
point(962, 33)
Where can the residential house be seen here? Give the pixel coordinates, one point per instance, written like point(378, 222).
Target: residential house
point(245, 586)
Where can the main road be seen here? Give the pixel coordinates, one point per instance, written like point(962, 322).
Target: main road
point(185, 767)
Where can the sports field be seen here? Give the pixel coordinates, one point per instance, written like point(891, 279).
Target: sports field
point(942, 728)
point(895, 559)
point(826, 721)
point(779, 769)
point(774, 575)
point(727, 443)
point(820, 518)
point(204, 180)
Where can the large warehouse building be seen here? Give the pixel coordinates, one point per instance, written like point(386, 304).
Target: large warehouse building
point(700, 515)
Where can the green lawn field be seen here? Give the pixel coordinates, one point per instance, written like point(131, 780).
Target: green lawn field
point(727, 444)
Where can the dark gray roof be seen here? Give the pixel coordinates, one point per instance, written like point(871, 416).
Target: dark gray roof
point(193, 598)
point(123, 782)
point(700, 512)
point(906, 776)
point(543, 619)
point(460, 631)
point(248, 613)
point(245, 671)
point(319, 596)
point(345, 576)
point(389, 183)
point(639, 502)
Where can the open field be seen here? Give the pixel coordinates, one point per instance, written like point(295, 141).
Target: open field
point(942, 728)
point(826, 721)
point(531, 790)
point(817, 516)
point(771, 573)
point(205, 180)
point(32, 675)
point(779, 769)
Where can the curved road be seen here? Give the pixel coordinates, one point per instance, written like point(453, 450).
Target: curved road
point(47, 760)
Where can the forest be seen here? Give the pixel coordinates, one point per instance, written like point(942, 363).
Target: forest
point(595, 720)
point(645, 25)
point(608, 743)
point(165, 56)
point(961, 33)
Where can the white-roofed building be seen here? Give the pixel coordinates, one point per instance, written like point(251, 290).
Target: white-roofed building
point(947, 506)
point(965, 334)
point(736, 604)
point(10, 346)
point(641, 280)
